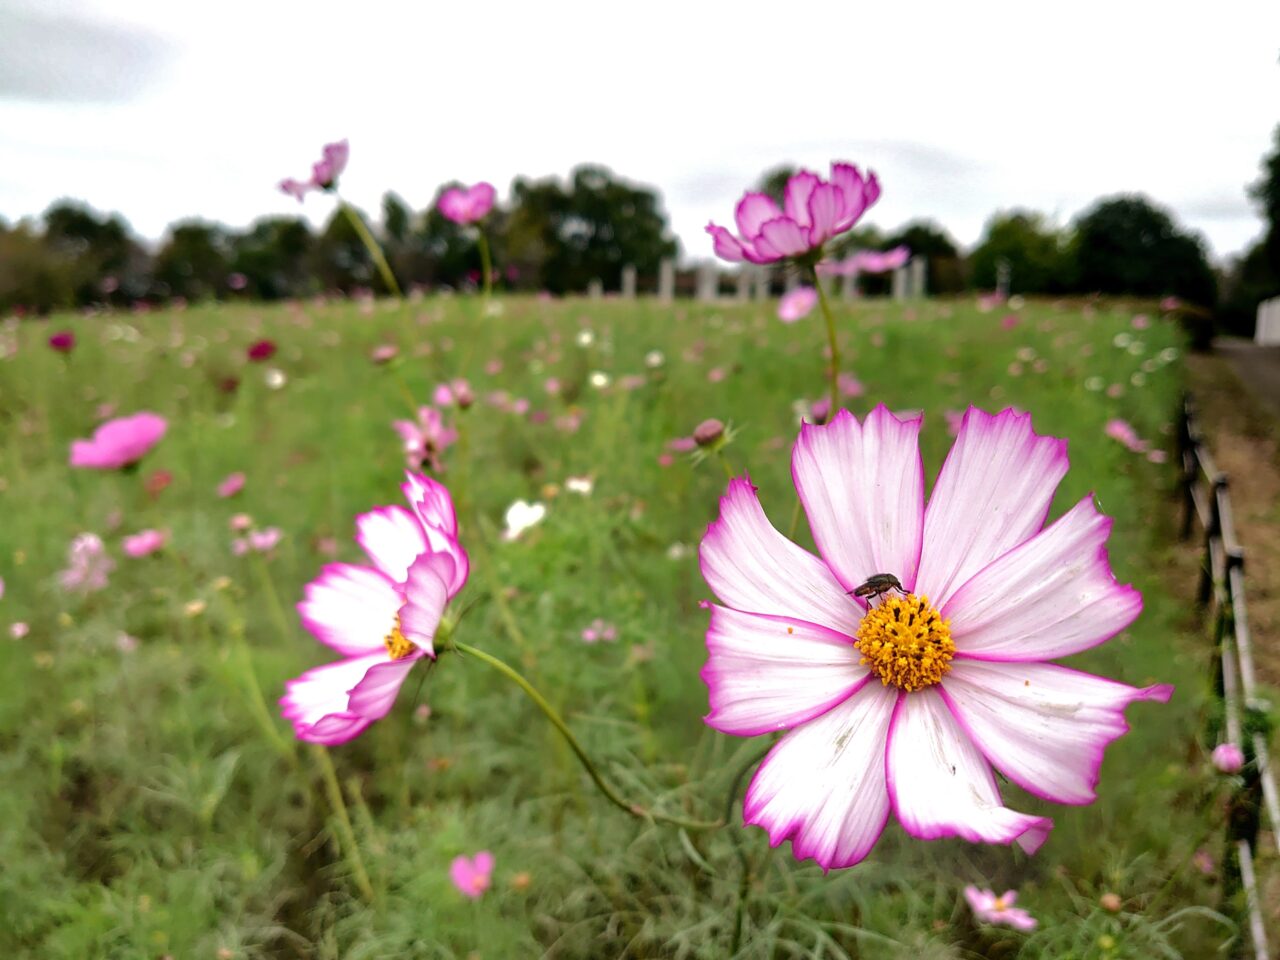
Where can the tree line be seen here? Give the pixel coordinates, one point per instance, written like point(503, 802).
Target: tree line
point(559, 235)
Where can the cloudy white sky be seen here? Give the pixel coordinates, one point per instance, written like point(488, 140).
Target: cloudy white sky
point(164, 110)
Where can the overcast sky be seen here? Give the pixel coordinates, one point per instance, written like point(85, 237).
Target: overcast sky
point(163, 110)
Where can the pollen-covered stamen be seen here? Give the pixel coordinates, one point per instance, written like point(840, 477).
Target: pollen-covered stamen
point(398, 646)
point(905, 642)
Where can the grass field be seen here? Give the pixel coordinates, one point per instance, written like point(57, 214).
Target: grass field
point(152, 808)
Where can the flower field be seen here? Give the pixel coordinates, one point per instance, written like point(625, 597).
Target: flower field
point(157, 803)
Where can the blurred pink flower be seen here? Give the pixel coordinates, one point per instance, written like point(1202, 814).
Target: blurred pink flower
point(324, 172)
point(88, 565)
point(569, 422)
point(1169, 304)
point(867, 261)
point(381, 617)
point(240, 521)
point(384, 353)
point(296, 188)
point(989, 908)
point(120, 442)
point(18, 629)
point(232, 485)
point(126, 643)
point(1228, 758)
point(954, 419)
point(665, 459)
point(1123, 431)
point(716, 374)
point(64, 341)
point(682, 444)
point(813, 211)
point(425, 439)
point(599, 631)
point(1204, 862)
point(471, 875)
point(1009, 321)
point(265, 540)
point(796, 305)
point(454, 393)
point(1140, 321)
point(467, 205)
point(145, 542)
point(850, 386)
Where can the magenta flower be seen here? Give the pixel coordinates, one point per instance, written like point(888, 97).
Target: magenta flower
point(989, 908)
point(64, 341)
point(813, 211)
point(324, 172)
point(901, 698)
point(1228, 758)
point(874, 261)
point(467, 205)
point(261, 350)
point(796, 305)
point(382, 617)
point(120, 442)
point(144, 543)
point(266, 540)
point(425, 440)
point(232, 485)
point(1123, 431)
point(471, 875)
point(88, 565)
point(599, 630)
point(456, 392)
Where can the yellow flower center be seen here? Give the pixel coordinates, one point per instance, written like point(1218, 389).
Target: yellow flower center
point(398, 646)
point(905, 643)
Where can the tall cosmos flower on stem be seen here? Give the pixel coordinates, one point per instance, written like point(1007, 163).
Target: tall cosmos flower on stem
point(904, 699)
point(382, 618)
point(813, 211)
point(470, 205)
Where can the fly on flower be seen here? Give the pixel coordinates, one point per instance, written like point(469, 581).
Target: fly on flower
point(907, 705)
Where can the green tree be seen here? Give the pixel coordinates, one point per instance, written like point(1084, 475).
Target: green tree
point(1125, 244)
point(275, 258)
point(569, 234)
point(1037, 255)
point(194, 261)
point(1265, 192)
point(106, 262)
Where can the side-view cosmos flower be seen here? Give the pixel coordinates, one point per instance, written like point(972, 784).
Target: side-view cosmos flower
point(467, 204)
point(813, 211)
point(911, 656)
point(120, 442)
point(381, 617)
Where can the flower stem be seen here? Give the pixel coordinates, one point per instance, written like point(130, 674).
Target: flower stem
point(339, 805)
point(575, 745)
point(831, 339)
point(486, 265)
point(375, 251)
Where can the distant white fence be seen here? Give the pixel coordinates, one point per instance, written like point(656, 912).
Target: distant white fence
point(1267, 332)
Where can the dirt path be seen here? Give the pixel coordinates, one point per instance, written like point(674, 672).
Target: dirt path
point(1237, 389)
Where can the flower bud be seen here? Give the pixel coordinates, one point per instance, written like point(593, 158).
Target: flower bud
point(708, 432)
point(1110, 902)
point(1228, 758)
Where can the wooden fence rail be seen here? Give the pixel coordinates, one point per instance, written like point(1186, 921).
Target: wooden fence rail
point(1243, 720)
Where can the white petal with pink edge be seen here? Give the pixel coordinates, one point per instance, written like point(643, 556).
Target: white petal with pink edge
point(772, 673)
point(426, 594)
point(752, 567)
point(376, 693)
point(318, 702)
point(822, 786)
point(940, 784)
point(1050, 597)
point(862, 486)
point(350, 608)
point(433, 505)
point(993, 492)
point(393, 539)
point(1045, 727)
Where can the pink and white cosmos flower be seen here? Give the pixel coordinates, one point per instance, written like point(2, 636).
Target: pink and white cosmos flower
point(382, 617)
point(796, 304)
point(902, 702)
point(120, 442)
point(324, 172)
point(813, 211)
point(467, 205)
point(989, 908)
point(425, 439)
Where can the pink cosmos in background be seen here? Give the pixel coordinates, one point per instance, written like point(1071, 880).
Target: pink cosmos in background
point(1124, 432)
point(456, 392)
point(232, 485)
point(144, 543)
point(467, 204)
point(1, 588)
point(598, 631)
point(850, 386)
point(257, 541)
point(1228, 758)
point(866, 261)
point(1009, 321)
point(471, 875)
point(989, 908)
point(324, 172)
point(19, 629)
point(903, 703)
point(796, 304)
point(813, 211)
point(64, 341)
point(381, 617)
point(120, 442)
point(425, 440)
point(88, 565)
point(261, 350)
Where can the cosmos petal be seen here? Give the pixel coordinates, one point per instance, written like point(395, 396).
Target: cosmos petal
point(351, 608)
point(822, 786)
point(993, 493)
point(940, 784)
point(1045, 727)
point(392, 537)
point(318, 702)
point(771, 673)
